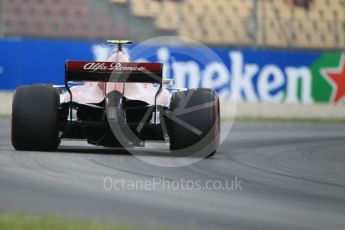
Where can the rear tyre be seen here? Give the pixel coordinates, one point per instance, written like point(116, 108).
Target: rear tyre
point(35, 112)
point(193, 124)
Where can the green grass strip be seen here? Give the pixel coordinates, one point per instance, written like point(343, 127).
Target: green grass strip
point(23, 222)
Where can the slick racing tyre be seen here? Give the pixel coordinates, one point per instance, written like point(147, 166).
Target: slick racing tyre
point(35, 118)
point(193, 123)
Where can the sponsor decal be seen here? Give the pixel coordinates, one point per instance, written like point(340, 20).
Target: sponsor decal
point(102, 66)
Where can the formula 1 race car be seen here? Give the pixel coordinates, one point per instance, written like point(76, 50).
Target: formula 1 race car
point(116, 103)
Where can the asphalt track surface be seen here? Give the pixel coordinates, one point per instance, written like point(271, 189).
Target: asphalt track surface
point(292, 177)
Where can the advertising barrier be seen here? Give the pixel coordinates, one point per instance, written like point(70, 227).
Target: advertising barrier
point(237, 74)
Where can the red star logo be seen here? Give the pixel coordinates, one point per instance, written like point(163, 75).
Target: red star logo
point(336, 78)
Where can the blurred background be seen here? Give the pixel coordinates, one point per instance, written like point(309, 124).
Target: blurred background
point(306, 24)
point(271, 50)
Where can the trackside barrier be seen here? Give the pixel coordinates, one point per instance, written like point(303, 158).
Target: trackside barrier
point(251, 76)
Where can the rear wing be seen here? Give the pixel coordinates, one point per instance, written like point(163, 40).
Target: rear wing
point(113, 72)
